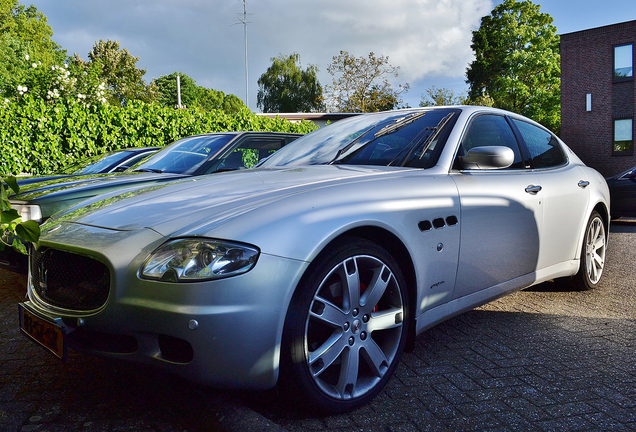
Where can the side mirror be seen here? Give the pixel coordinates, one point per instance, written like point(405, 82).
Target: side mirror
point(488, 157)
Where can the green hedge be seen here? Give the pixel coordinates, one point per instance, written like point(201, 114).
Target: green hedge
point(40, 138)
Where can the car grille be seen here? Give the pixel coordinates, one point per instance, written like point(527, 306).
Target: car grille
point(69, 281)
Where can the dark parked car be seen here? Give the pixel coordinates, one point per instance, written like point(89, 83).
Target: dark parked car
point(623, 194)
point(191, 156)
point(115, 161)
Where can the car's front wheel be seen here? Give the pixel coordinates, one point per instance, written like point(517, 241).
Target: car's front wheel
point(346, 327)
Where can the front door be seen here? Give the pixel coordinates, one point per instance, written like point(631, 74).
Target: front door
point(501, 212)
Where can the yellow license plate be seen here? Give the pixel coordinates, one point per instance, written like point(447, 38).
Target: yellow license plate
point(45, 333)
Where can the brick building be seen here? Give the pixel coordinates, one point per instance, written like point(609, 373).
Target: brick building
point(597, 95)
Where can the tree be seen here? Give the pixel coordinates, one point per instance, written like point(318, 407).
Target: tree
point(441, 97)
point(286, 87)
point(517, 62)
point(194, 96)
point(25, 40)
point(167, 88)
point(117, 68)
point(232, 104)
point(30, 26)
point(210, 99)
point(360, 84)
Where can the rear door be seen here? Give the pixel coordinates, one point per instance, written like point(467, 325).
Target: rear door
point(565, 193)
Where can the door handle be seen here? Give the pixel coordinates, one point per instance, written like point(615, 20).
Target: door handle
point(583, 184)
point(533, 190)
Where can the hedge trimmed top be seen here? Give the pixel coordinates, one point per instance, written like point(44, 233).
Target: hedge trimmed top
point(41, 138)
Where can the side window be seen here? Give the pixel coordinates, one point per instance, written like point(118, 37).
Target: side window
point(545, 150)
point(623, 137)
point(623, 62)
point(491, 130)
point(250, 152)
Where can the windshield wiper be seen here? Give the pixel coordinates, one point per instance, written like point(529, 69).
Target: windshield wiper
point(426, 143)
point(148, 170)
point(349, 146)
point(399, 124)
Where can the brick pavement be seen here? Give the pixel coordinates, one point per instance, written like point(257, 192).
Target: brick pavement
point(542, 359)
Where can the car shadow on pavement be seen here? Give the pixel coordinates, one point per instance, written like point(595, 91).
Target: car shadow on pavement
point(500, 370)
point(623, 226)
point(502, 365)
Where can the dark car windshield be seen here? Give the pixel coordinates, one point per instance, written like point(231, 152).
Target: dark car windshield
point(186, 155)
point(96, 164)
point(373, 139)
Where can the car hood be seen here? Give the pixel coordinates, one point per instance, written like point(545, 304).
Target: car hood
point(179, 208)
point(24, 181)
point(86, 185)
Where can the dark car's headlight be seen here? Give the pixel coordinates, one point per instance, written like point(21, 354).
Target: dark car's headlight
point(28, 212)
point(191, 260)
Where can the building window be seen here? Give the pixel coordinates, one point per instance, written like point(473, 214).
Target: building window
point(623, 136)
point(623, 62)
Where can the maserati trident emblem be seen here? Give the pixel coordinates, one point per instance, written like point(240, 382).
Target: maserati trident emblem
point(42, 276)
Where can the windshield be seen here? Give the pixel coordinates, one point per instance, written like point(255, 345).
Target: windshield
point(96, 164)
point(186, 155)
point(385, 138)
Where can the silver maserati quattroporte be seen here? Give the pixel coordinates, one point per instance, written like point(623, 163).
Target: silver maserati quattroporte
point(319, 267)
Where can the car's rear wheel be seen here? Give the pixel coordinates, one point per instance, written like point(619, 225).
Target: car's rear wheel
point(592, 254)
point(346, 327)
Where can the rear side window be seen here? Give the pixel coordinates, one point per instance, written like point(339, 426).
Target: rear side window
point(545, 150)
point(250, 152)
point(491, 130)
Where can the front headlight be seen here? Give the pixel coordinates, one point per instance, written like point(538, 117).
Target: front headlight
point(28, 212)
point(191, 260)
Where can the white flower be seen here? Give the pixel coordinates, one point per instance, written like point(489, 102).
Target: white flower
point(34, 65)
point(26, 57)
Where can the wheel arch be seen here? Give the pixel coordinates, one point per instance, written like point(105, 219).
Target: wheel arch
point(396, 248)
point(601, 208)
point(603, 211)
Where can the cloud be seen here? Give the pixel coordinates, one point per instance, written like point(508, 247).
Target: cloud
point(204, 39)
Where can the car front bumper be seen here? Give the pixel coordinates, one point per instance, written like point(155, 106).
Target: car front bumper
point(224, 332)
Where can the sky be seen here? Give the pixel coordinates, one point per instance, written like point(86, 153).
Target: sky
point(428, 39)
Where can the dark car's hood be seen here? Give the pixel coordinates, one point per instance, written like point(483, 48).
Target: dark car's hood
point(24, 181)
point(169, 208)
point(85, 186)
point(613, 179)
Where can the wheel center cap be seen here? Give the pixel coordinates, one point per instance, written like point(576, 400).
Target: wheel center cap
point(356, 326)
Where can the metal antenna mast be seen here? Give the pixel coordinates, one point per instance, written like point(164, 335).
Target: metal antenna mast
point(244, 21)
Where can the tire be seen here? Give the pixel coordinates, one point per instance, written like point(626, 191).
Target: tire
point(343, 339)
point(592, 255)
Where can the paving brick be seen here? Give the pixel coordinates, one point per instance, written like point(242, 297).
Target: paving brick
point(538, 360)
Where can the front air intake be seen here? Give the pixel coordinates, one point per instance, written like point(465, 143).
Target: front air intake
point(69, 281)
